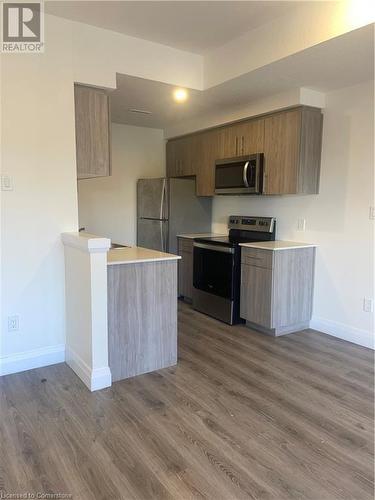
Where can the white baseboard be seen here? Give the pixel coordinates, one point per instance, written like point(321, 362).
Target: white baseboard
point(93, 379)
point(35, 358)
point(358, 336)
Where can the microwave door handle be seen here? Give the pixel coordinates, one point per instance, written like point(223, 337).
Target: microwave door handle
point(245, 181)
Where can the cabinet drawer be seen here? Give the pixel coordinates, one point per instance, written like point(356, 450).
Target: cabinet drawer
point(257, 257)
point(185, 245)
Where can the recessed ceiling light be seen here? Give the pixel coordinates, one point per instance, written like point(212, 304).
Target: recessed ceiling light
point(140, 111)
point(180, 95)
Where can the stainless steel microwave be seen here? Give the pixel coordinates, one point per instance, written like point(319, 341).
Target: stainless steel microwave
point(242, 175)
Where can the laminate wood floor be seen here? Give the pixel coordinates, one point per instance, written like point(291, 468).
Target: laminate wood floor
point(243, 415)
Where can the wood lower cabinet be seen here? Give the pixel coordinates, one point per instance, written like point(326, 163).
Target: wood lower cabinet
point(185, 268)
point(92, 123)
point(277, 289)
point(290, 141)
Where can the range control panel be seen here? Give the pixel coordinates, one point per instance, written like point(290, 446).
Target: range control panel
point(264, 224)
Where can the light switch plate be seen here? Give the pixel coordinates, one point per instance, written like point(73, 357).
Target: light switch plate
point(6, 183)
point(372, 213)
point(301, 224)
point(368, 305)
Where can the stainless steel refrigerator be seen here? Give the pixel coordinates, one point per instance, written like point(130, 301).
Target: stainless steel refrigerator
point(167, 207)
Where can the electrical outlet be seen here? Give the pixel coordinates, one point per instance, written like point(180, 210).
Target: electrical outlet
point(301, 224)
point(368, 305)
point(13, 323)
point(6, 183)
point(372, 213)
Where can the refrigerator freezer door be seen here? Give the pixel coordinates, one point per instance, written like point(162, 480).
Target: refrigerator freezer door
point(152, 198)
point(152, 234)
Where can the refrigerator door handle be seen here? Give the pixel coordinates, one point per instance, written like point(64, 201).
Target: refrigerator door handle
point(162, 201)
point(164, 236)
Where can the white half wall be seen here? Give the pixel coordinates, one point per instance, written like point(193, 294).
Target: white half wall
point(108, 205)
point(86, 308)
point(337, 219)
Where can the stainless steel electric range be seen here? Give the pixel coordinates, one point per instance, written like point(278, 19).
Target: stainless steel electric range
point(217, 266)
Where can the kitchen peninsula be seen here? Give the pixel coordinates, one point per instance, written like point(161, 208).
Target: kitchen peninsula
point(121, 309)
point(142, 311)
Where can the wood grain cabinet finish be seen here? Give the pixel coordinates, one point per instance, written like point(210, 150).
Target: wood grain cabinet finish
point(289, 139)
point(277, 289)
point(207, 148)
point(142, 317)
point(185, 268)
point(292, 150)
point(180, 157)
point(241, 139)
point(92, 125)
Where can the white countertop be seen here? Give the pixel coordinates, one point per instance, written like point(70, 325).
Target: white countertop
point(277, 245)
point(199, 235)
point(136, 255)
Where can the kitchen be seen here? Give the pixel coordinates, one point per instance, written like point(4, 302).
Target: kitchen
point(209, 330)
point(249, 276)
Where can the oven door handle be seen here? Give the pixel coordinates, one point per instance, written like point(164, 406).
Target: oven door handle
point(245, 181)
point(215, 248)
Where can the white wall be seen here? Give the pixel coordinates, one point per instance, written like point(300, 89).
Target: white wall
point(107, 205)
point(337, 219)
point(38, 151)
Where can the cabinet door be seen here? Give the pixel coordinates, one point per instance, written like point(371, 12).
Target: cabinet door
point(180, 157)
point(241, 139)
point(228, 142)
point(171, 159)
point(92, 132)
point(281, 152)
point(256, 295)
point(208, 148)
point(250, 137)
point(185, 268)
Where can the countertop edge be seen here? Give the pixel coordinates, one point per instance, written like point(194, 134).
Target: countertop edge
point(191, 236)
point(289, 246)
point(140, 261)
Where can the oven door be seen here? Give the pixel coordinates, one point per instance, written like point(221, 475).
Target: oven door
point(213, 269)
point(239, 175)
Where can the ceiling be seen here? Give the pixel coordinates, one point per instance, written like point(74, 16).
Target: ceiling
point(193, 26)
point(337, 63)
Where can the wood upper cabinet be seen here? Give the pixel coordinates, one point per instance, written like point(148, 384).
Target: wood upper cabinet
point(292, 150)
point(290, 141)
point(195, 155)
point(241, 139)
point(181, 157)
point(207, 147)
point(92, 125)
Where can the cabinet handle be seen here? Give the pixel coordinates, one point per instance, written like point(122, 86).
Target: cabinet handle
point(236, 146)
point(242, 144)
